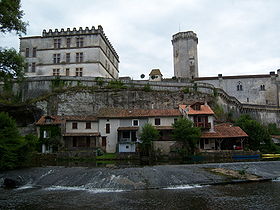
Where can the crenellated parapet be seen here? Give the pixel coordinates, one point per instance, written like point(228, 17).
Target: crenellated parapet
point(185, 35)
point(78, 32)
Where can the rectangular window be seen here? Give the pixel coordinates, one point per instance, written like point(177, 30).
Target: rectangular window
point(67, 72)
point(80, 42)
point(67, 57)
point(157, 121)
point(135, 122)
point(74, 125)
point(88, 125)
point(57, 43)
point(107, 128)
point(55, 72)
point(33, 67)
point(56, 58)
point(34, 52)
point(103, 142)
point(126, 134)
point(79, 57)
point(68, 42)
point(27, 52)
point(79, 72)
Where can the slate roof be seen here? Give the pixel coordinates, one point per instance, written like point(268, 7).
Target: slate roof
point(225, 130)
point(137, 113)
point(56, 119)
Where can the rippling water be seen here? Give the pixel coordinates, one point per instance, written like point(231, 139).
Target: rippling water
point(263, 195)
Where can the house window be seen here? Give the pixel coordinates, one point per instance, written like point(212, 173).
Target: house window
point(67, 72)
point(206, 141)
point(126, 134)
point(55, 72)
point(74, 125)
point(88, 125)
point(80, 41)
point(239, 86)
point(75, 141)
point(67, 57)
point(68, 42)
point(34, 52)
point(79, 57)
point(175, 120)
point(103, 143)
point(33, 67)
point(157, 121)
point(135, 122)
point(27, 52)
point(57, 43)
point(45, 134)
point(79, 72)
point(56, 58)
point(107, 128)
point(262, 87)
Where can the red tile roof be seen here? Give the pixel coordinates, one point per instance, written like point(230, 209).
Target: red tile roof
point(80, 118)
point(137, 113)
point(225, 130)
point(54, 120)
point(204, 109)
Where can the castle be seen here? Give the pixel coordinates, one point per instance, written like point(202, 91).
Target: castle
point(89, 53)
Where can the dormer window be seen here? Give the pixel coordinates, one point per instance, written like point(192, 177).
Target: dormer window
point(135, 122)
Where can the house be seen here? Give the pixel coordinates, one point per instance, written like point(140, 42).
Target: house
point(120, 128)
point(71, 132)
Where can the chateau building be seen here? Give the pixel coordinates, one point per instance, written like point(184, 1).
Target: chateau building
point(82, 52)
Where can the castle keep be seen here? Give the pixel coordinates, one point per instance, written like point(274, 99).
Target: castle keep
point(82, 52)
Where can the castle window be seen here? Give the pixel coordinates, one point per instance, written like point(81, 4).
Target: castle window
point(67, 72)
point(68, 42)
point(27, 52)
point(57, 43)
point(34, 53)
point(55, 72)
point(67, 57)
point(56, 58)
point(239, 87)
point(247, 99)
point(262, 87)
point(79, 72)
point(79, 57)
point(33, 67)
point(80, 42)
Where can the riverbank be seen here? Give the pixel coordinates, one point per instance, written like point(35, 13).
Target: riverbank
point(139, 178)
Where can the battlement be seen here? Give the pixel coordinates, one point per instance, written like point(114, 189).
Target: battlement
point(80, 31)
point(185, 35)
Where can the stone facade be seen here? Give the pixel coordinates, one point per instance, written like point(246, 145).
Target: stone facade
point(82, 52)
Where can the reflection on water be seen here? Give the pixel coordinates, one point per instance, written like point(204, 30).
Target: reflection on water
point(263, 195)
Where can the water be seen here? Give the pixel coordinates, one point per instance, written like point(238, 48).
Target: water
point(264, 195)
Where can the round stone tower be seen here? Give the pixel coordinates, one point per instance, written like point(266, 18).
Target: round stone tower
point(185, 55)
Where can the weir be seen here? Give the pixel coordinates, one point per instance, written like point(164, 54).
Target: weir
point(137, 178)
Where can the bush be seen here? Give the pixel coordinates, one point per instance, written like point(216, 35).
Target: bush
point(116, 84)
point(147, 88)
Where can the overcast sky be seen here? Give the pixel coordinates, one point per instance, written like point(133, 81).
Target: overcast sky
point(234, 36)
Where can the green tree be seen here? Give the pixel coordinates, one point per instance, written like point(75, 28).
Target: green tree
point(11, 17)
point(15, 150)
point(185, 132)
point(257, 132)
point(147, 136)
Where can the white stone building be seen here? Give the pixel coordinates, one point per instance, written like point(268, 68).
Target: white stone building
point(82, 52)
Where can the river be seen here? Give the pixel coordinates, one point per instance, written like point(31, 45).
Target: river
point(152, 187)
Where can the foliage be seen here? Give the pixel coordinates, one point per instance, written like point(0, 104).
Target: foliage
point(12, 64)
point(11, 17)
point(116, 84)
point(57, 83)
point(257, 133)
point(147, 136)
point(195, 88)
point(185, 132)
point(186, 90)
point(15, 150)
point(272, 129)
point(99, 81)
point(53, 138)
point(147, 88)
point(215, 92)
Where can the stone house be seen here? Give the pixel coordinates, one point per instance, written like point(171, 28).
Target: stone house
point(82, 52)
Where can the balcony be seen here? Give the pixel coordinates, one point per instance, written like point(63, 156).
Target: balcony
point(202, 125)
